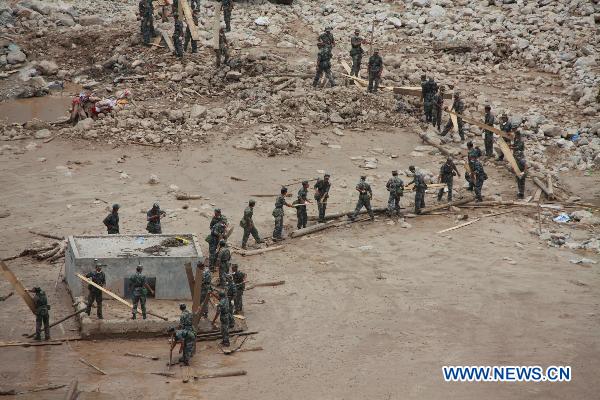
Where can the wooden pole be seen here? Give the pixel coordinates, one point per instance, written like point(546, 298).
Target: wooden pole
point(47, 235)
point(20, 289)
point(248, 253)
point(60, 321)
point(72, 390)
point(441, 148)
point(196, 297)
point(550, 188)
point(312, 229)
point(447, 205)
point(221, 374)
point(190, 277)
point(92, 366)
point(265, 284)
point(459, 226)
point(114, 296)
point(541, 185)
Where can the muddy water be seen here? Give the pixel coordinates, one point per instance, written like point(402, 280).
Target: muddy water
point(48, 108)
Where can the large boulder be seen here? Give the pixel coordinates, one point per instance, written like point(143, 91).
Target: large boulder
point(47, 67)
point(16, 57)
point(550, 130)
point(88, 20)
point(197, 111)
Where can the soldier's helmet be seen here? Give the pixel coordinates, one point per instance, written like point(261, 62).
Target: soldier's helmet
point(252, 202)
point(376, 51)
point(423, 77)
point(469, 144)
point(222, 242)
point(431, 79)
point(221, 295)
point(395, 172)
point(155, 205)
point(182, 307)
point(326, 176)
point(37, 289)
point(328, 29)
point(363, 177)
point(357, 31)
point(412, 168)
point(234, 266)
point(139, 267)
point(449, 159)
point(457, 94)
point(284, 190)
point(304, 183)
point(488, 107)
point(116, 206)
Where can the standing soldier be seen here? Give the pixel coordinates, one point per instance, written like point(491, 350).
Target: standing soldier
point(112, 221)
point(185, 319)
point(142, 17)
point(239, 278)
point(458, 106)
point(375, 68)
point(177, 35)
point(326, 39)
point(420, 187)
point(139, 287)
point(489, 135)
point(479, 176)
point(507, 127)
point(147, 16)
point(188, 33)
point(153, 217)
point(217, 233)
point(187, 340)
point(230, 290)
point(323, 65)
point(431, 91)
point(365, 194)
point(223, 260)
point(248, 224)
point(41, 313)
point(518, 146)
point(438, 108)
point(473, 153)
point(396, 188)
point(227, 6)
point(205, 290)
point(278, 214)
point(321, 195)
point(356, 52)
point(447, 173)
point(522, 164)
point(424, 89)
point(95, 294)
point(223, 313)
point(301, 201)
point(223, 50)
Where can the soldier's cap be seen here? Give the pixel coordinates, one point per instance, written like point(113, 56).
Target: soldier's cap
point(252, 202)
point(182, 306)
point(488, 107)
point(217, 211)
point(456, 94)
point(375, 51)
point(423, 76)
point(284, 189)
point(328, 29)
point(221, 295)
point(155, 205)
point(395, 172)
point(37, 289)
point(139, 267)
point(326, 176)
point(356, 30)
point(116, 206)
point(449, 159)
point(222, 242)
point(363, 177)
point(304, 183)
point(412, 168)
point(469, 144)
point(234, 265)
point(431, 78)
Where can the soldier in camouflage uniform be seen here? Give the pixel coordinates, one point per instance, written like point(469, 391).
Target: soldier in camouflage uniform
point(223, 50)
point(375, 69)
point(278, 214)
point(139, 287)
point(227, 6)
point(187, 339)
point(248, 224)
point(323, 65)
point(479, 176)
point(188, 33)
point(473, 153)
point(326, 39)
point(458, 106)
point(223, 260)
point(438, 108)
point(239, 278)
point(147, 20)
point(41, 313)
point(302, 199)
point(522, 164)
point(489, 135)
point(153, 217)
point(186, 320)
point(95, 294)
point(356, 52)
point(396, 188)
point(365, 194)
point(518, 145)
point(505, 126)
point(223, 314)
point(424, 89)
point(205, 290)
point(321, 195)
point(431, 89)
point(177, 35)
point(231, 291)
point(447, 173)
point(218, 227)
point(420, 187)
point(112, 220)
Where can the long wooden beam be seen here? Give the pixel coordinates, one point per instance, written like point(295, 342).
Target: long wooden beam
point(490, 128)
point(116, 297)
point(10, 277)
point(357, 81)
point(187, 13)
point(196, 297)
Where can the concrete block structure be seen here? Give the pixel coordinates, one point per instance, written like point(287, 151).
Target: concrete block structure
point(122, 253)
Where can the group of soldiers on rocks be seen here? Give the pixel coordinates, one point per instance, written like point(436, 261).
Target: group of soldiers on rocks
point(181, 39)
point(326, 43)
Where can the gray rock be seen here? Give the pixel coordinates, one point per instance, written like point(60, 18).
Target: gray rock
point(47, 67)
point(85, 125)
point(42, 134)
point(63, 19)
point(176, 115)
point(16, 57)
point(437, 11)
point(88, 20)
point(197, 111)
point(550, 130)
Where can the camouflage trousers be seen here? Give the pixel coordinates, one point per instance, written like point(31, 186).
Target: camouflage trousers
point(278, 231)
point(356, 60)
point(225, 331)
point(178, 46)
point(449, 125)
point(489, 144)
point(478, 188)
point(448, 183)
point(238, 301)
point(188, 39)
point(189, 348)
point(363, 201)
point(222, 52)
point(428, 110)
point(521, 187)
point(322, 205)
point(45, 320)
point(302, 217)
point(212, 251)
point(393, 204)
point(437, 117)
point(374, 78)
point(250, 231)
point(139, 299)
point(328, 75)
point(204, 303)
point(94, 295)
point(227, 18)
point(419, 200)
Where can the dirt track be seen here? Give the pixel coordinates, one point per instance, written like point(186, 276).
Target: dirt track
point(374, 322)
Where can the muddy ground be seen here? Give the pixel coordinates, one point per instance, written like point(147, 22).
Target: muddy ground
point(368, 310)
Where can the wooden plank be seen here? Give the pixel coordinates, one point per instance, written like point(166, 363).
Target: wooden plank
point(537, 195)
point(509, 156)
point(189, 20)
point(72, 390)
point(190, 277)
point(550, 187)
point(248, 253)
point(116, 297)
point(482, 125)
point(89, 364)
point(266, 284)
point(447, 205)
point(540, 184)
point(20, 289)
point(220, 374)
point(357, 81)
point(459, 226)
point(167, 40)
point(216, 27)
point(196, 297)
point(156, 42)
point(312, 229)
point(454, 120)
